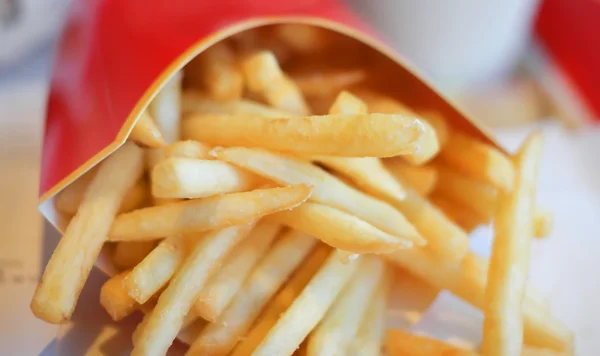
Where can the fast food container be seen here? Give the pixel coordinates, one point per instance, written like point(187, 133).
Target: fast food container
point(114, 56)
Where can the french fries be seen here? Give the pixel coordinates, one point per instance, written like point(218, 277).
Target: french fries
point(327, 189)
point(114, 298)
point(363, 135)
point(195, 103)
point(509, 263)
point(308, 308)
point(175, 302)
point(56, 295)
point(279, 263)
point(325, 83)
point(463, 217)
point(128, 254)
point(146, 133)
point(200, 215)
point(401, 343)
point(423, 179)
point(165, 109)
point(188, 149)
point(226, 283)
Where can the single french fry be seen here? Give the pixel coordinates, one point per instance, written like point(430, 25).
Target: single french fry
point(302, 38)
point(278, 264)
point(176, 301)
point(347, 104)
point(401, 343)
point(264, 76)
point(371, 334)
point(146, 133)
point(178, 177)
point(195, 103)
point(327, 189)
point(361, 135)
point(57, 293)
point(340, 325)
point(543, 220)
point(165, 109)
point(187, 148)
point(308, 309)
point(284, 298)
point(114, 297)
point(509, 262)
point(435, 119)
point(479, 160)
point(422, 179)
point(217, 70)
point(200, 215)
point(331, 82)
point(226, 283)
point(128, 254)
point(339, 229)
point(462, 216)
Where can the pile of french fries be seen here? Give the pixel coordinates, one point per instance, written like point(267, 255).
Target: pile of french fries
point(245, 224)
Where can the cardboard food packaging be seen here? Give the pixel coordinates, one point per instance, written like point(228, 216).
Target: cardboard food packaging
point(114, 56)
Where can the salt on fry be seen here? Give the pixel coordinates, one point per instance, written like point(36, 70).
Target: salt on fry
point(264, 76)
point(128, 254)
point(165, 108)
point(225, 284)
point(66, 272)
point(198, 215)
point(327, 189)
point(146, 133)
point(274, 269)
point(284, 298)
point(401, 343)
point(479, 160)
point(509, 262)
point(308, 309)
point(361, 135)
point(195, 103)
point(176, 301)
point(114, 297)
point(422, 179)
point(340, 325)
point(178, 177)
point(188, 149)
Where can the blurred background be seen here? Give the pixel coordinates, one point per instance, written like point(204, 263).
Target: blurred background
point(514, 64)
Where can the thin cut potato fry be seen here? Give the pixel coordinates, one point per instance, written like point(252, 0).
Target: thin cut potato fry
point(226, 283)
point(327, 189)
point(195, 103)
point(114, 297)
point(328, 82)
point(146, 133)
point(66, 272)
point(308, 308)
point(463, 217)
point(274, 269)
point(509, 262)
point(401, 343)
point(340, 325)
point(264, 76)
point(543, 221)
point(166, 108)
point(339, 229)
point(371, 333)
point(217, 70)
point(176, 301)
point(479, 160)
point(422, 179)
point(360, 135)
point(302, 38)
point(284, 298)
point(200, 215)
point(187, 148)
point(128, 254)
point(178, 177)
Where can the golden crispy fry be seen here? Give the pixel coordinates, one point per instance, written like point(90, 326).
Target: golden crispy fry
point(56, 295)
point(178, 177)
point(327, 189)
point(274, 269)
point(200, 215)
point(195, 103)
point(543, 220)
point(308, 308)
point(364, 135)
point(165, 109)
point(463, 217)
point(422, 179)
point(284, 298)
point(479, 160)
point(340, 325)
point(188, 149)
point(339, 229)
point(347, 104)
point(217, 71)
point(325, 83)
point(146, 133)
point(175, 302)
point(302, 38)
point(114, 297)
point(226, 283)
point(401, 343)
point(371, 333)
point(509, 263)
point(128, 254)
point(264, 76)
